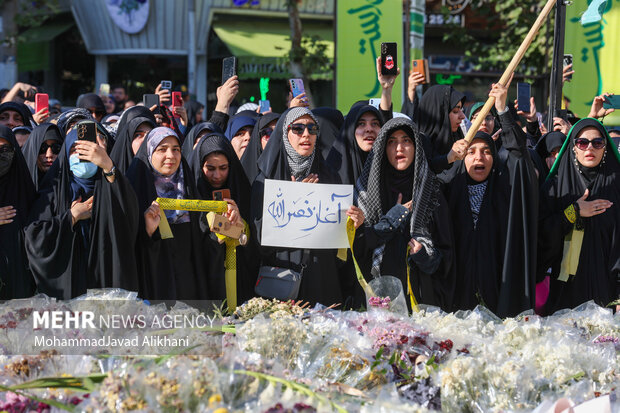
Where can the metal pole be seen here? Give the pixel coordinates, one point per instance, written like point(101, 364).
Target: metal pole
point(555, 82)
point(191, 49)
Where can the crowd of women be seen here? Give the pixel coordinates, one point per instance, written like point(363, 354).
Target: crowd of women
point(518, 218)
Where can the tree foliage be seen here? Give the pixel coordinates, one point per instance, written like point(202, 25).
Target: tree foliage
point(508, 22)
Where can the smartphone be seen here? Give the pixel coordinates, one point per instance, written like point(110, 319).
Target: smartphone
point(229, 68)
point(612, 102)
point(374, 102)
point(87, 131)
point(166, 84)
point(176, 99)
point(421, 66)
point(568, 60)
point(389, 59)
point(221, 194)
point(264, 106)
point(104, 89)
point(41, 101)
point(465, 125)
point(296, 86)
point(523, 97)
point(151, 99)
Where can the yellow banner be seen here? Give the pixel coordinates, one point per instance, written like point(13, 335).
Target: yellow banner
point(595, 49)
point(362, 26)
point(197, 205)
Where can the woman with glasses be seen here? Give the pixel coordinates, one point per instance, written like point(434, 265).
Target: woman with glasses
point(83, 223)
point(258, 140)
point(292, 155)
point(17, 193)
point(579, 213)
point(41, 150)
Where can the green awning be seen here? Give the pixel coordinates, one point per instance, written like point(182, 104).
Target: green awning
point(33, 46)
point(262, 47)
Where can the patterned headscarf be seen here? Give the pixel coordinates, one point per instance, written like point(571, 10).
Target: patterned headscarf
point(424, 193)
point(167, 186)
point(300, 165)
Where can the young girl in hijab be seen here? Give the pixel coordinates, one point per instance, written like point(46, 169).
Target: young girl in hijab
point(169, 268)
point(403, 210)
point(17, 193)
point(41, 150)
point(493, 206)
point(292, 155)
point(238, 132)
point(216, 167)
point(133, 126)
point(579, 218)
point(83, 224)
point(438, 116)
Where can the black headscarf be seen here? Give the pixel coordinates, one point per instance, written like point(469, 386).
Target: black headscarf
point(122, 153)
point(354, 157)
point(22, 109)
point(237, 182)
point(40, 134)
point(72, 115)
point(65, 259)
point(254, 149)
point(192, 138)
point(91, 100)
point(192, 108)
point(598, 271)
point(496, 255)
point(17, 190)
point(330, 122)
point(433, 120)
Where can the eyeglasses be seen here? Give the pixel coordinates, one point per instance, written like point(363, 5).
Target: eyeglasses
point(266, 132)
point(583, 143)
point(55, 148)
point(6, 148)
point(298, 128)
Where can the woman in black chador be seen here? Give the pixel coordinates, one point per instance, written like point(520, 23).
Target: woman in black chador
point(133, 126)
point(17, 193)
point(168, 268)
point(292, 155)
point(404, 208)
point(83, 224)
point(41, 150)
point(493, 202)
point(216, 167)
point(579, 235)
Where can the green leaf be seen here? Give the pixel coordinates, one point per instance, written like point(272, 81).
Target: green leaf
point(85, 384)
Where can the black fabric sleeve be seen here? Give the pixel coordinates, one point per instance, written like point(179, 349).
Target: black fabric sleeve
point(220, 119)
point(387, 114)
point(533, 130)
point(440, 163)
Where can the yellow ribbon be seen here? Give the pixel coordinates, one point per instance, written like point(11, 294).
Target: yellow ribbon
point(230, 263)
point(196, 205)
point(358, 272)
point(414, 302)
point(570, 255)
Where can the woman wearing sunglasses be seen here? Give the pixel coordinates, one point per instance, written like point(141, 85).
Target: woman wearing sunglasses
point(292, 155)
point(41, 150)
point(579, 215)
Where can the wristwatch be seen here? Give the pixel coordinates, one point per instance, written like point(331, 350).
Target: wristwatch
point(111, 173)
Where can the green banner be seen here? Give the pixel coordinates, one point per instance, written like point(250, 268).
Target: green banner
point(595, 48)
point(362, 25)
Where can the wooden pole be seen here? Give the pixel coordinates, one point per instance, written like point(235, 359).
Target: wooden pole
point(511, 68)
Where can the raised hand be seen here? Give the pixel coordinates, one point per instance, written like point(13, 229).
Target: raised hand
point(152, 218)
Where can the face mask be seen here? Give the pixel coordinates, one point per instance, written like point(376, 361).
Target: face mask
point(82, 169)
point(6, 159)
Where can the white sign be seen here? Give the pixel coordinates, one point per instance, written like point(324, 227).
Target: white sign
point(130, 15)
point(302, 215)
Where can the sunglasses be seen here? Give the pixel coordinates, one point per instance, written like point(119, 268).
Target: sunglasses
point(55, 148)
point(298, 128)
point(583, 143)
point(6, 148)
point(265, 132)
